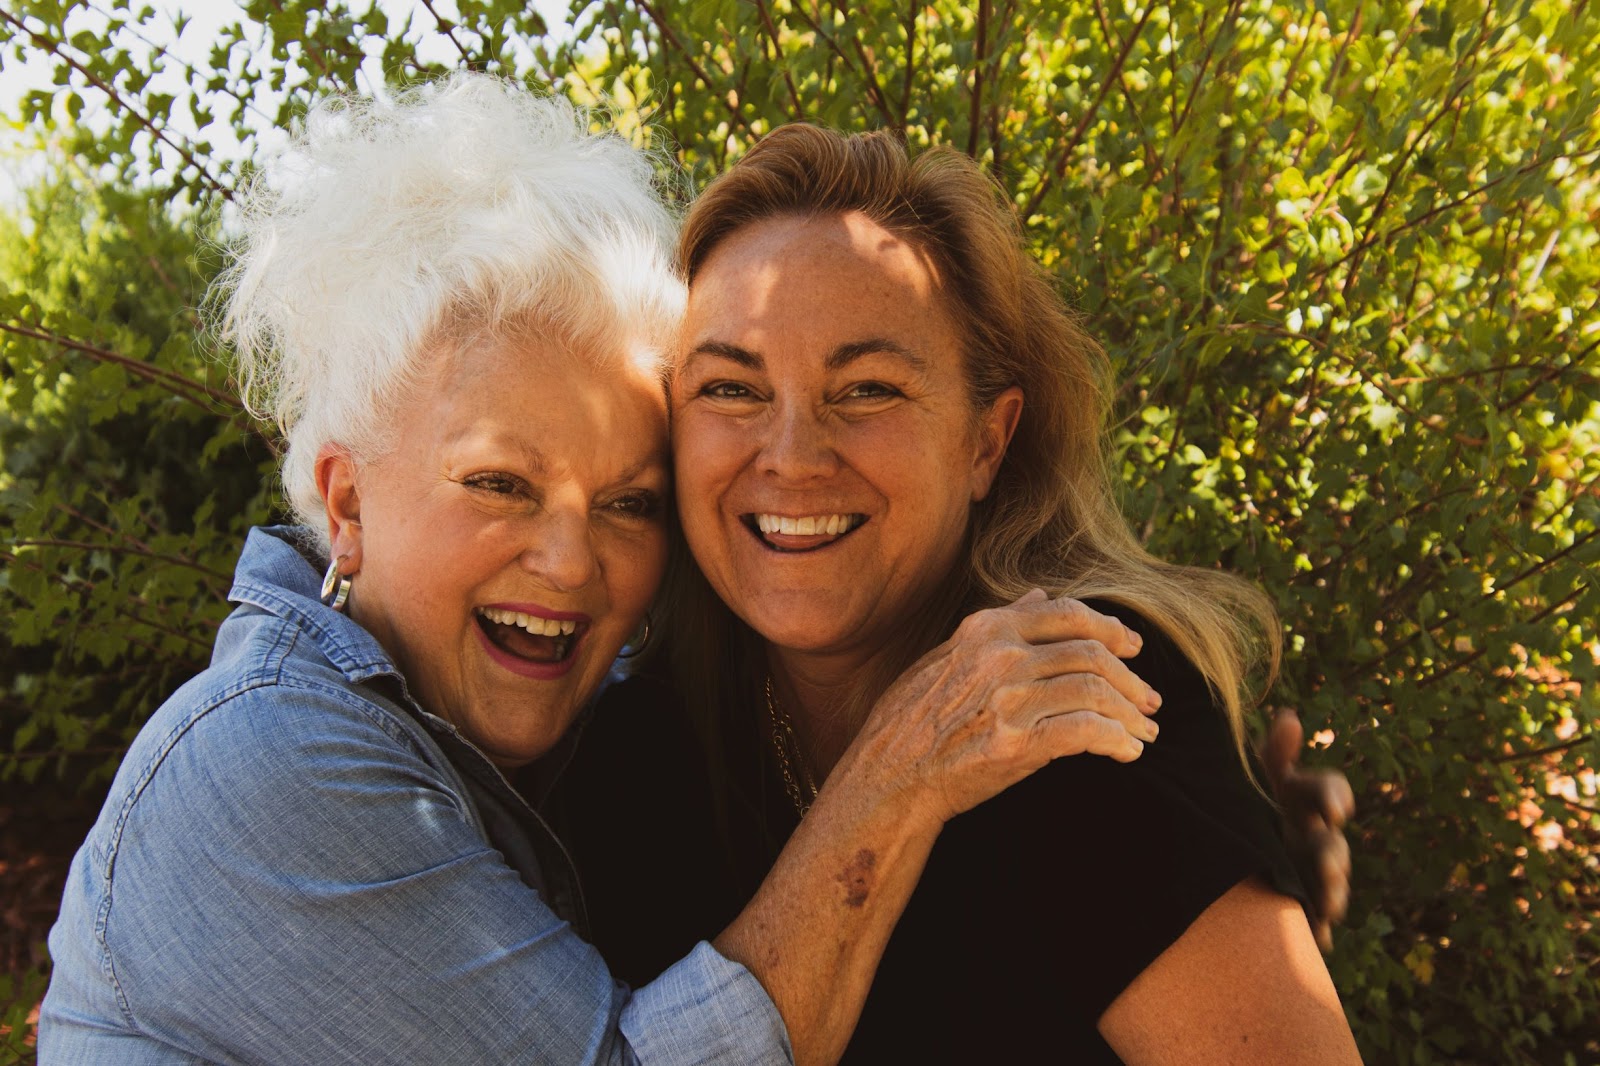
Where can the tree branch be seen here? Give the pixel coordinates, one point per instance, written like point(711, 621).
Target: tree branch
point(54, 48)
point(176, 560)
point(979, 57)
point(174, 383)
point(1113, 77)
point(688, 57)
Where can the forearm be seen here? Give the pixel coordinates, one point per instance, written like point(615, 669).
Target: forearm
point(816, 930)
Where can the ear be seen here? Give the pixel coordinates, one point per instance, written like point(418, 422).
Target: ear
point(995, 427)
point(336, 472)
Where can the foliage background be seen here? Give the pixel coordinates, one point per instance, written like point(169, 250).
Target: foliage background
point(1344, 255)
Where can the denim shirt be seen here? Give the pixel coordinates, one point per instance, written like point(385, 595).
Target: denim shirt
point(296, 864)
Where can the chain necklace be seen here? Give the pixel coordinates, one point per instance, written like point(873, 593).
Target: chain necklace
point(802, 787)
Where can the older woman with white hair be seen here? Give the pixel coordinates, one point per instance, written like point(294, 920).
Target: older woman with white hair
point(325, 847)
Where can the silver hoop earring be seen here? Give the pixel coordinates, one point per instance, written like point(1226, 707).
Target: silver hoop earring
point(634, 647)
point(335, 587)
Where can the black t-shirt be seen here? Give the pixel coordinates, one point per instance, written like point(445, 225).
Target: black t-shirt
point(1035, 911)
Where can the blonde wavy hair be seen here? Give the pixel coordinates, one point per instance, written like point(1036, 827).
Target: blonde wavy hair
point(1051, 519)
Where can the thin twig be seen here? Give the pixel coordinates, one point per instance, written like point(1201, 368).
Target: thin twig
point(54, 48)
point(449, 29)
point(1113, 76)
point(1553, 749)
point(176, 560)
point(173, 382)
point(699, 72)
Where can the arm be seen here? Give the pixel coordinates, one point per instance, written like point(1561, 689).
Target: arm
point(296, 882)
point(1243, 985)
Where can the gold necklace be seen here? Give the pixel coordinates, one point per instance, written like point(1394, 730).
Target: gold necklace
point(802, 787)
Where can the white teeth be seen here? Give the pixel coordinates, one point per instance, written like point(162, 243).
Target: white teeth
point(809, 526)
point(539, 627)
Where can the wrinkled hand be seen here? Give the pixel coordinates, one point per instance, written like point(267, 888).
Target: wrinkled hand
point(1014, 688)
point(1316, 804)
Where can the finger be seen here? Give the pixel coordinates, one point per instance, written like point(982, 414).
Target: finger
point(1044, 621)
point(1280, 751)
point(1092, 657)
point(1070, 693)
point(1334, 864)
point(1080, 732)
point(1326, 863)
point(1338, 800)
point(1324, 934)
point(1319, 796)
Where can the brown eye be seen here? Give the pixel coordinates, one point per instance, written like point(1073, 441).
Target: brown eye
point(871, 390)
point(726, 390)
point(637, 504)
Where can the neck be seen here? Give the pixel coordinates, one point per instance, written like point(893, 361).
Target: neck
point(826, 697)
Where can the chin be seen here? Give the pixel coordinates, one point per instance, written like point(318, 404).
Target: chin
point(820, 634)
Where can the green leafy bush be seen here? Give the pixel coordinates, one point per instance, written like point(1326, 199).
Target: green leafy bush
point(1347, 258)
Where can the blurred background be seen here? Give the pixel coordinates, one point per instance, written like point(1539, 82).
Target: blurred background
point(1345, 255)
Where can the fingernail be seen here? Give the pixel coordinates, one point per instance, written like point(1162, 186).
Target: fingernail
point(1153, 730)
point(1134, 638)
point(1152, 698)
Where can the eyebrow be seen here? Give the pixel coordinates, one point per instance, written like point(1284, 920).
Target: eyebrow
point(732, 352)
point(838, 359)
point(848, 353)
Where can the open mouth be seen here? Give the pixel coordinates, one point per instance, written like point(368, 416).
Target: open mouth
point(787, 533)
point(528, 637)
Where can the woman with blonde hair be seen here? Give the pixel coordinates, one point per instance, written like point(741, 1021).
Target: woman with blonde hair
point(885, 419)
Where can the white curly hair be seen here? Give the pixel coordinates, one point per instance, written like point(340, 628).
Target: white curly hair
point(463, 210)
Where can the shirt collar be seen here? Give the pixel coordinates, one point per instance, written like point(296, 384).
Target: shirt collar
point(279, 572)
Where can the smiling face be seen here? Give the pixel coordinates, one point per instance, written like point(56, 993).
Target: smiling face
point(508, 545)
point(827, 451)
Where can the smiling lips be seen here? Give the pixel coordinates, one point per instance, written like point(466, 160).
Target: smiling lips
point(533, 645)
point(789, 533)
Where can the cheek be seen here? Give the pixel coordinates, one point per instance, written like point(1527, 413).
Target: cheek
point(635, 570)
point(707, 455)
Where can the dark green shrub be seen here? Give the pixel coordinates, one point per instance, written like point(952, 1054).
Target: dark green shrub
point(1346, 257)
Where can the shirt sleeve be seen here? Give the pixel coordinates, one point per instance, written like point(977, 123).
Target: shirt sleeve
point(294, 882)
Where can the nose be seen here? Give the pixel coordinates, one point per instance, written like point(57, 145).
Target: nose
point(562, 556)
point(799, 445)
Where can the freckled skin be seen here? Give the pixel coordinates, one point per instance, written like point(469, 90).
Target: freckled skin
point(857, 877)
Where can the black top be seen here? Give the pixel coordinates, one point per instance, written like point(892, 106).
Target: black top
point(1035, 911)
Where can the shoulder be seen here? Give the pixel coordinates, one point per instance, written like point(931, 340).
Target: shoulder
point(258, 747)
point(1145, 846)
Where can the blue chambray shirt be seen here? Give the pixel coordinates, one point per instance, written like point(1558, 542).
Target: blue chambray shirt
point(290, 868)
